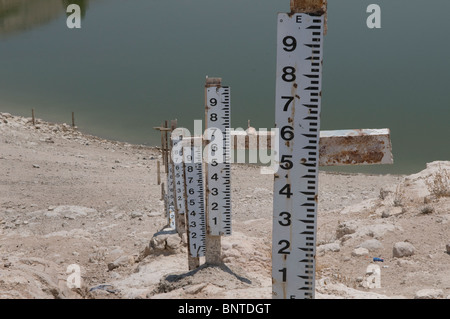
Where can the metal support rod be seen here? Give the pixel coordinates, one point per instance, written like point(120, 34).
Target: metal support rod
point(158, 172)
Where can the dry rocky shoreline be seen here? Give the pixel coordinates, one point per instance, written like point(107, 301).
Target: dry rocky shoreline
point(67, 198)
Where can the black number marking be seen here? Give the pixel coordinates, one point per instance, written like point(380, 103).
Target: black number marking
point(289, 100)
point(287, 133)
point(286, 190)
point(284, 272)
point(287, 163)
point(288, 74)
point(290, 43)
point(282, 250)
point(286, 220)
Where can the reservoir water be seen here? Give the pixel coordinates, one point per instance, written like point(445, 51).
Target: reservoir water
point(134, 64)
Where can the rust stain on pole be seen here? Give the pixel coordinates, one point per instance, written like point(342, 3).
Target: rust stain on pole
point(341, 147)
point(210, 82)
point(318, 7)
point(355, 147)
point(309, 6)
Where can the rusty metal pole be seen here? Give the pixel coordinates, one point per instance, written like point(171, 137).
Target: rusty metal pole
point(158, 172)
point(166, 146)
point(163, 149)
point(311, 6)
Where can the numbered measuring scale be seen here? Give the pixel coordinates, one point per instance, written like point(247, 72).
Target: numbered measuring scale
point(195, 201)
point(298, 102)
point(178, 174)
point(219, 160)
point(170, 197)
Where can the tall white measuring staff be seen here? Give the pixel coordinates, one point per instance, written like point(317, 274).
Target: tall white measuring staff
point(298, 102)
point(218, 168)
point(195, 211)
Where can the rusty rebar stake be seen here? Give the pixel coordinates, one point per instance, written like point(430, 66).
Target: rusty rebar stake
point(318, 7)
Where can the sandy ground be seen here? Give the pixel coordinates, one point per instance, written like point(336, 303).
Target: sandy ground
point(71, 200)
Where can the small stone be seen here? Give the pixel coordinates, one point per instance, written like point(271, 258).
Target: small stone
point(403, 249)
point(345, 228)
point(120, 262)
point(429, 294)
point(118, 216)
point(334, 247)
point(385, 214)
point(154, 214)
point(447, 247)
point(136, 214)
point(36, 166)
point(395, 211)
point(358, 252)
point(173, 242)
point(372, 244)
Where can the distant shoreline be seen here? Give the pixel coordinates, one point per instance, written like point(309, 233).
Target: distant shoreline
point(45, 126)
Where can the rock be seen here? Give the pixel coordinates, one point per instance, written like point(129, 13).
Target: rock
point(378, 230)
point(447, 248)
point(67, 211)
point(118, 216)
point(334, 247)
point(358, 252)
point(372, 245)
point(166, 241)
point(36, 166)
point(395, 211)
point(121, 262)
point(158, 243)
point(154, 214)
point(403, 249)
point(173, 242)
point(429, 294)
point(405, 263)
point(137, 214)
point(339, 290)
point(195, 289)
point(345, 228)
